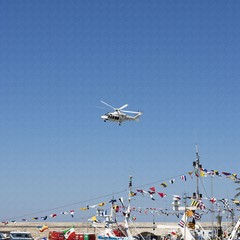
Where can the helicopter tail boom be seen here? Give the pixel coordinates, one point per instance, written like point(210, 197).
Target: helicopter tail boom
point(136, 117)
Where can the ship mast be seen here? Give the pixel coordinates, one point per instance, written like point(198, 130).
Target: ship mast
point(197, 166)
point(198, 172)
point(128, 210)
point(187, 235)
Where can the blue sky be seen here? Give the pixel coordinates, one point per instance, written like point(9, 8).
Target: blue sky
point(176, 61)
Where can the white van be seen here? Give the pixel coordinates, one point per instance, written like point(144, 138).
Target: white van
point(20, 236)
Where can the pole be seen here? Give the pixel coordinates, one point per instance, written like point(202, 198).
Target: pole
point(197, 172)
point(185, 219)
point(128, 211)
point(212, 204)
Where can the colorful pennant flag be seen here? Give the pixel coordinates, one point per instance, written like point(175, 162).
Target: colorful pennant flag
point(94, 219)
point(201, 205)
point(116, 208)
point(84, 208)
point(237, 202)
point(190, 174)
point(215, 172)
point(181, 223)
point(132, 194)
point(72, 213)
point(42, 228)
point(183, 177)
point(233, 177)
point(101, 204)
point(69, 233)
point(163, 184)
point(197, 216)
point(191, 225)
point(176, 197)
point(212, 200)
point(152, 189)
point(226, 173)
point(141, 191)
point(195, 203)
point(202, 173)
point(172, 181)
point(162, 195)
point(189, 213)
point(151, 196)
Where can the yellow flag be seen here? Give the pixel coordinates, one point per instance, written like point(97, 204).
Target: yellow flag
point(84, 208)
point(189, 213)
point(202, 173)
point(233, 176)
point(163, 184)
point(237, 202)
point(190, 173)
point(101, 204)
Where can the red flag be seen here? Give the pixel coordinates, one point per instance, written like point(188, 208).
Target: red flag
point(162, 194)
point(152, 189)
point(213, 200)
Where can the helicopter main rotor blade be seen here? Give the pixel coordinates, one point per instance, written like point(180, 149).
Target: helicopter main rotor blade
point(107, 104)
point(124, 106)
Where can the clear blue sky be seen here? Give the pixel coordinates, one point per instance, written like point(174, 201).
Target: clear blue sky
point(177, 61)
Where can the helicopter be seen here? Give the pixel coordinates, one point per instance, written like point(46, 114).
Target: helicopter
point(119, 115)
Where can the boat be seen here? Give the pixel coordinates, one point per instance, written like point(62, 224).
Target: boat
point(59, 235)
point(198, 233)
point(113, 230)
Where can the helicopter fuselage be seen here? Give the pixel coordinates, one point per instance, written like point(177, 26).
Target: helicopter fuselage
point(119, 117)
point(114, 117)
